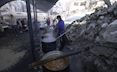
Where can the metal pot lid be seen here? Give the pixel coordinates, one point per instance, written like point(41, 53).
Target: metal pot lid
point(52, 54)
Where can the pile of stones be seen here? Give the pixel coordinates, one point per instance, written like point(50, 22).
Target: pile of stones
point(98, 26)
point(100, 29)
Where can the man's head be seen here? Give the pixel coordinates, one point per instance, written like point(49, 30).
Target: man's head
point(59, 17)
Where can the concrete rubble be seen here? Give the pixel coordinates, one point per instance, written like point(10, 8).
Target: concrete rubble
point(97, 31)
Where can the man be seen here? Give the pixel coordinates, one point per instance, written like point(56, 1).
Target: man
point(60, 30)
point(60, 25)
point(48, 21)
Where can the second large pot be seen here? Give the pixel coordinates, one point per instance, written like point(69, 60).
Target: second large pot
point(60, 65)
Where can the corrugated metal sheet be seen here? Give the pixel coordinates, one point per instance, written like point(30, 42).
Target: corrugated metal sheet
point(45, 5)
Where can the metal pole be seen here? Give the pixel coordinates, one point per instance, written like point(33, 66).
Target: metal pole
point(34, 9)
point(30, 28)
point(38, 29)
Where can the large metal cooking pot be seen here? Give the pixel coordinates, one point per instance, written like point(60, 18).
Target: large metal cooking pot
point(48, 42)
point(56, 65)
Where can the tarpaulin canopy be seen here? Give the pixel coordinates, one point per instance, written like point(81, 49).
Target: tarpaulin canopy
point(43, 5)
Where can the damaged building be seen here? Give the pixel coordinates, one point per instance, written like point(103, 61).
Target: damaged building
point(30, 39)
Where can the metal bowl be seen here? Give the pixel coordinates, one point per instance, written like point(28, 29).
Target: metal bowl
point(56, 65)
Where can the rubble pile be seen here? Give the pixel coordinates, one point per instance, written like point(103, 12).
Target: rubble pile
point(100, 25)
point(100, 28)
